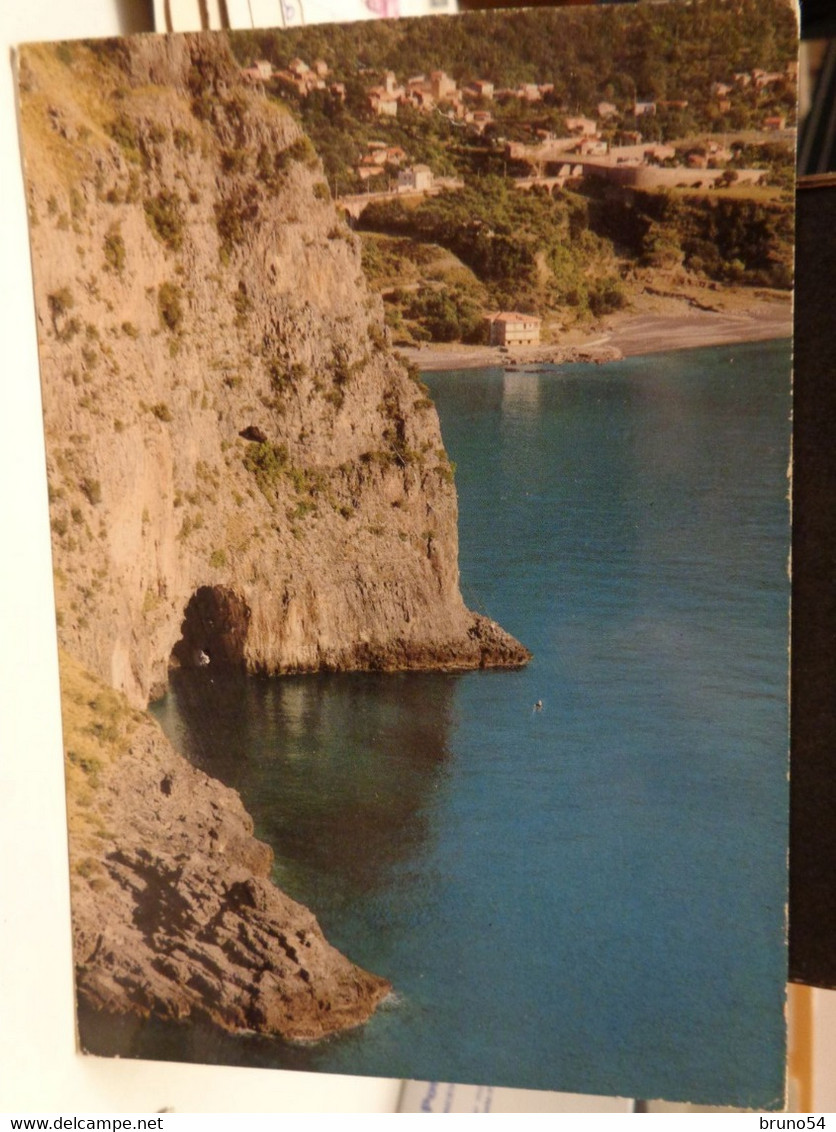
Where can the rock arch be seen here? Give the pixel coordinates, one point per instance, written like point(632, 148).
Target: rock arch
point(215, 626)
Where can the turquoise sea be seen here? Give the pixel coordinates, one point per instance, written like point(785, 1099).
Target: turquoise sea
point(589, 897)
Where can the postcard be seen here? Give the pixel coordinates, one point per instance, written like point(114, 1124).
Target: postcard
point(416, 400)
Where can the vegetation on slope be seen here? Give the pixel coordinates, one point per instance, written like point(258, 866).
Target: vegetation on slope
point(532, 249)
point(647, 51)
point(98, 724)
point(724, 238)
point(572, 254)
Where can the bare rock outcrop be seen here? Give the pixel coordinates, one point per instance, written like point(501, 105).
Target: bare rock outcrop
point(174, 913)
point(224, 415)
point(241, 472)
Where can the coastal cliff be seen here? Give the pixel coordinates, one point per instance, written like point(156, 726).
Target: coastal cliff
point(239, 465)
point(174, 913)
point(241, 472)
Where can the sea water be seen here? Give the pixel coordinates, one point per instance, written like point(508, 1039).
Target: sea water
point(588, 896)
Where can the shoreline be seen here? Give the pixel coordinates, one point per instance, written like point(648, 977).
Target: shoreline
point(622, 336)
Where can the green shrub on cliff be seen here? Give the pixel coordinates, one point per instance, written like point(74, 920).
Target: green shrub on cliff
point(114, 249)
point(170, 306)
point(266, 462)
point(124, 132)
point(234, 213)
point(164, 213)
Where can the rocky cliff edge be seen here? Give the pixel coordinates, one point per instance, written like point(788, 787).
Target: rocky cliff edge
point(174, 913)
point(239, 465)
point(242, 472)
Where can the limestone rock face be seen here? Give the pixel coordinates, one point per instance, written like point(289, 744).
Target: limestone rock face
point(224, 416)
point(174, 913)
point(241, 473)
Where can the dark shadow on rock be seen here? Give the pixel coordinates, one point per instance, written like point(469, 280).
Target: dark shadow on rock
point(214, 630)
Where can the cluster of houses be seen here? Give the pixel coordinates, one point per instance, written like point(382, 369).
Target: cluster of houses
point(721, 94)
point(757, 79)
point(426, 93)
point(380, 158)
point(470, 104)
point(297, 74)
point(583, 151)
point(635, 165)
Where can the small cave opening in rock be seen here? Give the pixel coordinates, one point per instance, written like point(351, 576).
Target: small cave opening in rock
point(214, 630)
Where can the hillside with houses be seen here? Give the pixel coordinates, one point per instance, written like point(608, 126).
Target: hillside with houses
point(568, 109)
point(401, 132)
